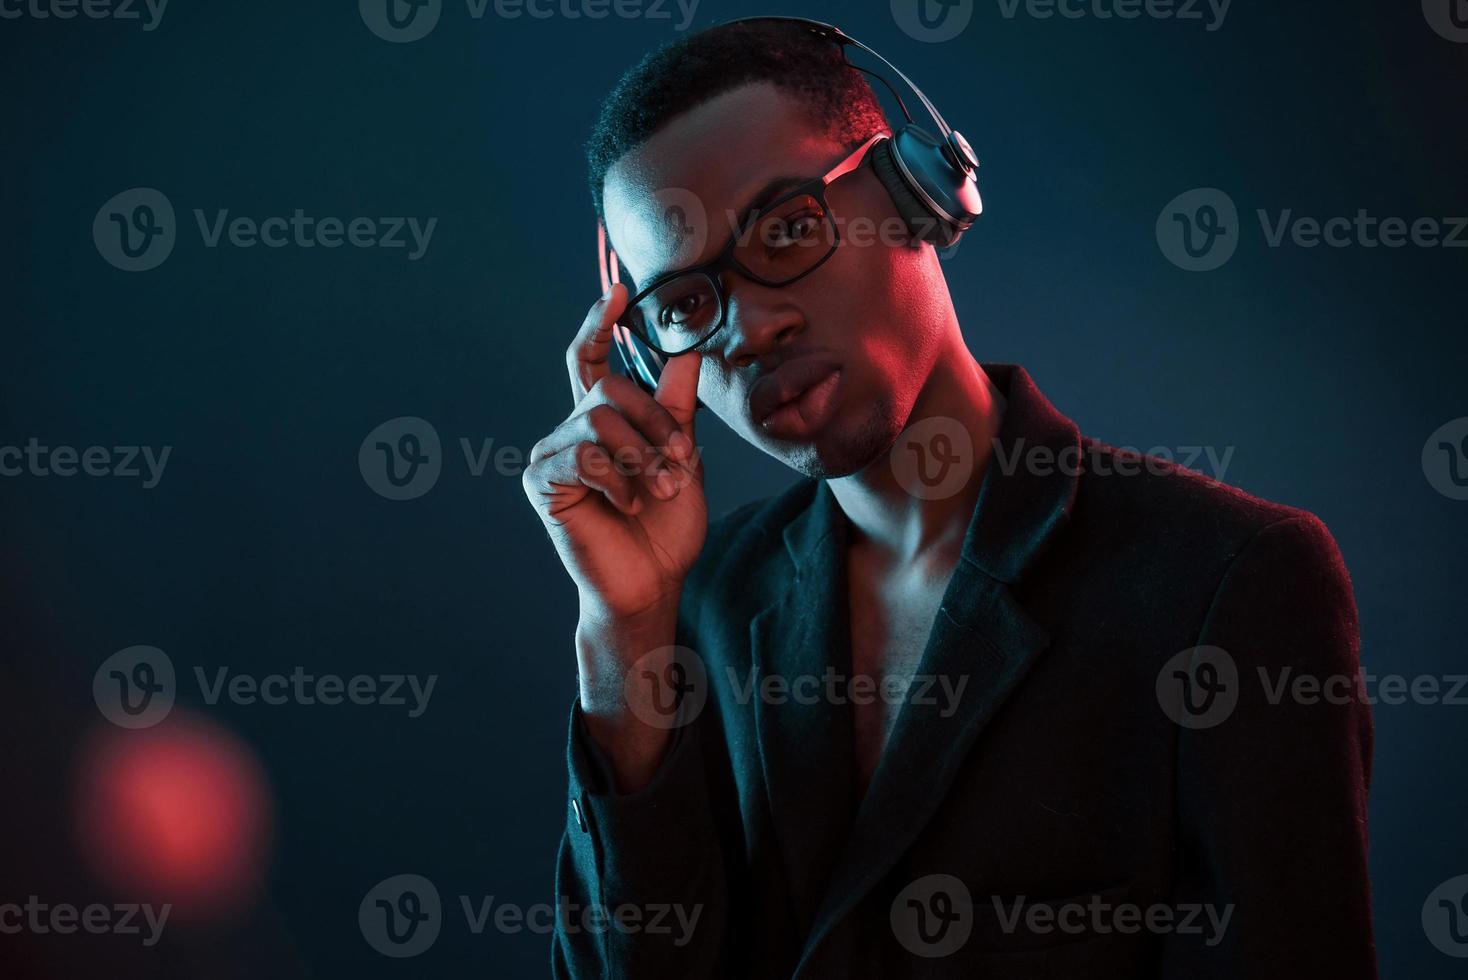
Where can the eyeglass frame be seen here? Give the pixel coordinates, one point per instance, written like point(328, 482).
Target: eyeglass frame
point(815, 188)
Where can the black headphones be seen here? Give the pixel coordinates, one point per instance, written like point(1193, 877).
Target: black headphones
point(931, 179)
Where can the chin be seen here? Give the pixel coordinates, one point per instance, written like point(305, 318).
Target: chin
point(847, 446)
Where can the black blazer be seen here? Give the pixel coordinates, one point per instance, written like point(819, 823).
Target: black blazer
point(1037, 829)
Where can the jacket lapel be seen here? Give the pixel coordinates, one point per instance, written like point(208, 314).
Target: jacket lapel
point(805, 743)
point(981, 638)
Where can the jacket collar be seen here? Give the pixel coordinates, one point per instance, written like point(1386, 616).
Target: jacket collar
point(981, 638)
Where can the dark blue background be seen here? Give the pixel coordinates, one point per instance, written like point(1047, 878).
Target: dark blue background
point(262, 547)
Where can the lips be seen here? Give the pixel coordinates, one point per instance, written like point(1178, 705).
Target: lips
point(789, 381)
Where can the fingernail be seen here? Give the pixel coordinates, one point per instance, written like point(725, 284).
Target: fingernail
point(666, 484)
point(681, 445)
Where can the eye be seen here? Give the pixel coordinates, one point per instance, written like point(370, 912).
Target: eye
point(681, 310)
point(682, 307)
point(791, 229)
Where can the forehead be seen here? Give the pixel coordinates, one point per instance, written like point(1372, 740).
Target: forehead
point(667, 202)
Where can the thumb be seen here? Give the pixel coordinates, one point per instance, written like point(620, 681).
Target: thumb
point(677, 389)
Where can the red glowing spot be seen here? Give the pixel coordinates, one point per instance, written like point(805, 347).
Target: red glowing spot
point(178, 813)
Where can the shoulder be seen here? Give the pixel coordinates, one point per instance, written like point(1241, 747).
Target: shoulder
point(1191, 543)
point(1167, 559)
point(1159, 504)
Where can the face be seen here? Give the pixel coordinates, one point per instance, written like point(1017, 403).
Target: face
point(876, 310)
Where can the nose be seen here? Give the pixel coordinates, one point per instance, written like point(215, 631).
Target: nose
point(760, 319)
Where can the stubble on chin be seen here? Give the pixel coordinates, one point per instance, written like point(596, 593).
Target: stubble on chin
point(860, 443)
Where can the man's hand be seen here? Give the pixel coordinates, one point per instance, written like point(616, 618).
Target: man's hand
point(619, 486)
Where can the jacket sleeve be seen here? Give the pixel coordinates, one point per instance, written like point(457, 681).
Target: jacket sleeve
point(1271, 800)
point(640, 877)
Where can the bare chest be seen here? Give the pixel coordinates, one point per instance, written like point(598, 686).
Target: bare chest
point(890, 620)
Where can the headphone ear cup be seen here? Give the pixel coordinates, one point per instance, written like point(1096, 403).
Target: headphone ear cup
point(897, 174)
point(639, 362)
point(921, 223)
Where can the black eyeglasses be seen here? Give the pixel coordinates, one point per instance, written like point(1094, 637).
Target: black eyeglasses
point(780, 243)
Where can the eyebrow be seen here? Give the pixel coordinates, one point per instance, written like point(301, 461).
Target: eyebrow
point(765, 194)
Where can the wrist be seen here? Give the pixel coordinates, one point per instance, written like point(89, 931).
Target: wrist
point(597, 621)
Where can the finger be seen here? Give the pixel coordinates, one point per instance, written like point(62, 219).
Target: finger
point(579, 465)
point(633, 455)
point(588, 358)
point(677, 392)
point(594, 468)
point(629, 451)
point(648, 415)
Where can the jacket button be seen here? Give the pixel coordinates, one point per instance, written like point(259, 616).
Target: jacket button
point(580, 817)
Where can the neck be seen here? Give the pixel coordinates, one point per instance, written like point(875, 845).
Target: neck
point(891, 522)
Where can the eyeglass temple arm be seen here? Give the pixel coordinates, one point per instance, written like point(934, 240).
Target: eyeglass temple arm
point(853, 161)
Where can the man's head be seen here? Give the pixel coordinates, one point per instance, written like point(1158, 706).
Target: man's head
point(722, 122)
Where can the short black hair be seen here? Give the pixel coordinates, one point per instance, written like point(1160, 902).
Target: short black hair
point(687, 72)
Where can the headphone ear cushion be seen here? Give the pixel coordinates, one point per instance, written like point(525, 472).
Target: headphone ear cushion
point(922, 223)
point(640, 363)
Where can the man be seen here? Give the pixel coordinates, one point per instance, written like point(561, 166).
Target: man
point(1035, 801)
